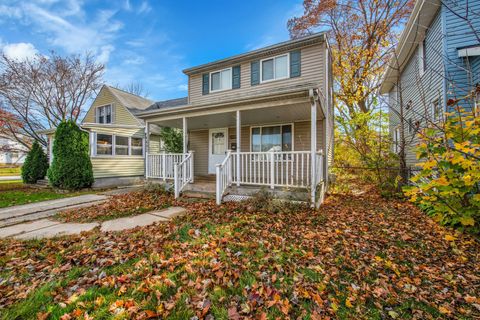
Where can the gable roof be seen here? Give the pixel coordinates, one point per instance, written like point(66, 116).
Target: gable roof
point(132, 102)
point(168, 103)
point(419, 22)
point(290, 44)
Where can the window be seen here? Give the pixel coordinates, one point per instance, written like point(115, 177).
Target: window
point(274, 68)
point(137, 146)
point(104, 114)
point(272, 138)
point(104, 144)
point(221, 80)
point(436, 112)
point(121, 146)
point(396, 140)
point(422, 57)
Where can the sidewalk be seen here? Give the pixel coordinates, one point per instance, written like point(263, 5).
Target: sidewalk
point(47, 228)
point(44, 209)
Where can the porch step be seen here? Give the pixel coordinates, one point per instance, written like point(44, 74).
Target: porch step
point(198, 194)
point(42, 183)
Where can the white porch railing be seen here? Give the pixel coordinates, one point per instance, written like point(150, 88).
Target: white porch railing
point(161, 165)
point(273, 169)
point(224, 176)
point(183, 174)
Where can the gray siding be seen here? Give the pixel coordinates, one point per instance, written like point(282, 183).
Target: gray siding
point(312, 71)
point(421, 90)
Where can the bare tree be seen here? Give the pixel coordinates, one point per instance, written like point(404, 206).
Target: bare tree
point(41, 92)
point(135, 88)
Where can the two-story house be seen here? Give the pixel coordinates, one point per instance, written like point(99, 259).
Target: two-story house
point(437, 59)
point(258, 119)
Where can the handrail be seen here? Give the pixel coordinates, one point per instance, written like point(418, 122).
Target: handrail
point(223, 177)
point(161, 165)
point(183, 173)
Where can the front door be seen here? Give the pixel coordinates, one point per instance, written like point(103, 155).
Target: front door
point(217, 147)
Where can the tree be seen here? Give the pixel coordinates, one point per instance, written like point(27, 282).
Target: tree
point(42, 92)
point(71, 167)
point(362, 35)
point(135, 88)
point(35, 165)
point(172, 139)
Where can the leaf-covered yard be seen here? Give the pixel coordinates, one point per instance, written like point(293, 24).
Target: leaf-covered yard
point(359, 257)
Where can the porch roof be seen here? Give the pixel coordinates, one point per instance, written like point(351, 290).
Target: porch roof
point(282, 95)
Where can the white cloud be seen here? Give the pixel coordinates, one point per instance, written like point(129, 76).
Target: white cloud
point(20, 51)
point(182, 87)
point(144, 7)
point(138, 60)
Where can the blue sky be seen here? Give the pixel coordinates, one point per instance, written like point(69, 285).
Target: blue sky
point(144, 41)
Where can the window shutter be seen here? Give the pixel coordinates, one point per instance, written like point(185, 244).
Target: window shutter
point(255, 73)
point(236, 77)
point(205, 83)
point(295, 61)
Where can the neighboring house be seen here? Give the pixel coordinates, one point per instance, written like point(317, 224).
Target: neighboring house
point(437, 58)
point(262, 119)
point(12, 152)
point(117, 137)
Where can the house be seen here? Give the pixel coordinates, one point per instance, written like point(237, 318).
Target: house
point(437, 58)
point(261, 119)
point(12, 152)
point(117, 137)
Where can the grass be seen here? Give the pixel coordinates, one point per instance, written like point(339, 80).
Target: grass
point(17, 197)
point(10, 171)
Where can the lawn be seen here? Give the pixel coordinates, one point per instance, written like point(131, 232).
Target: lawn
point(359, 257)
point(10, 171)
point(18, 194)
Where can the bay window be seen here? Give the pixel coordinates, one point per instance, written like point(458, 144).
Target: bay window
point(275, 68)
point(221, 80)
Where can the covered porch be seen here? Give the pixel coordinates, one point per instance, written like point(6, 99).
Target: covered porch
point(277, 143)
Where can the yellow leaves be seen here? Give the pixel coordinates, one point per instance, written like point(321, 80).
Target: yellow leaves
point(441, 181)
point(348, 303)
point(428, 164)
point(467, 221)
point(444, 310)
point(449, 237)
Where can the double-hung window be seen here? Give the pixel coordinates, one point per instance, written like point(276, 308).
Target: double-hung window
point(272, 138)
point(221, 80)
point(121, 146)
point(275, 68)
point(104, 114)
point(396, 140)
point(422, 57)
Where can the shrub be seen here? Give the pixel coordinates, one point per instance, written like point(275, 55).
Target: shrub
point(71, 167)
point(172, 139)
point(448, 184)
point(36, 164)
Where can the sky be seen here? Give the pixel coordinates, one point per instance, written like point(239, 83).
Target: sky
point(144, 41)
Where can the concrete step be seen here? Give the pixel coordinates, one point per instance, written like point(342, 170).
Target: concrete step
point(198, 194)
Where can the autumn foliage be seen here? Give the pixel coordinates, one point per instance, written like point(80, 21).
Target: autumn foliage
point(448, 185)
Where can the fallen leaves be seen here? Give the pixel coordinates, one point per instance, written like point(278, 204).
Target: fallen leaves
point(358, 253)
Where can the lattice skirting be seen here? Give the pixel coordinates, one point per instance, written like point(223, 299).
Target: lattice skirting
point(235, 197)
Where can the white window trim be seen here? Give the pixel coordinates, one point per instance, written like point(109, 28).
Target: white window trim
point(220, 71)
point(396, 139)
point(128, 145)
point(274, 78)
point(421, 63)
point(97, 114)
point(114, 136)
point(281, 133)
point(432, 110)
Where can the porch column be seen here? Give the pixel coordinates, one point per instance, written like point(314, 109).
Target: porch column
point(185, 135)
point(147, 148)
point(313, 146)
point(239, 129)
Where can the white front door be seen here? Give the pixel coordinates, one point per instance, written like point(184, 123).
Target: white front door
point(217, 147)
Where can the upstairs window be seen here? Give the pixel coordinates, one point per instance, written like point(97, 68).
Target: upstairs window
point(221, 80)
point(274, 68)
point(436, 111)
point(422, 57)
point(104, 114)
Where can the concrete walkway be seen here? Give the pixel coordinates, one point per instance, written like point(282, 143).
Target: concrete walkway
point(46, 228)
point(44, 209)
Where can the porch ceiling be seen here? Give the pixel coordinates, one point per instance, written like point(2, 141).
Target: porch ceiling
point(274, 114)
